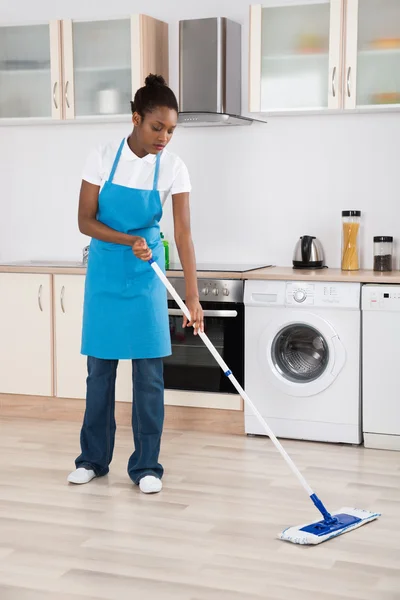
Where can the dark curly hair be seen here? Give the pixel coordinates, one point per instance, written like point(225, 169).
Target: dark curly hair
point(154, 93)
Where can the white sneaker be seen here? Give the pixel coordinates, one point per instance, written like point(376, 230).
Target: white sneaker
point(150, 484)
point(81, 475)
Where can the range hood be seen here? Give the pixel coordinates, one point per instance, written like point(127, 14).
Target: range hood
point(210, 82)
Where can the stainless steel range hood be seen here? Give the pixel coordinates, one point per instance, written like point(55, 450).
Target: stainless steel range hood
point(210, 82)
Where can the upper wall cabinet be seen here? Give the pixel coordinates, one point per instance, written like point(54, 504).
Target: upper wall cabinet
point(105, 62)
point(372, 73)
point(321, 54)
point(29, 71)
point(295, 52)
point(71, 69)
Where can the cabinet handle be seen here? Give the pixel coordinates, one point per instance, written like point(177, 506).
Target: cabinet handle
point(66, 94)
point(348, 82)
point(333, 82)
point(40, 298)
point(55, 86)
point(62, 299)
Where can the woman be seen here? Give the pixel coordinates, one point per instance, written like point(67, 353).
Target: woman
point(125, 311)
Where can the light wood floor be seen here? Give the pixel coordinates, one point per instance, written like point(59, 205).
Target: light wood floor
point(211, 533)
point(176, 417)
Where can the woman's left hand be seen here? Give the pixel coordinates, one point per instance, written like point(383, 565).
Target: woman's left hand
point(196, 313)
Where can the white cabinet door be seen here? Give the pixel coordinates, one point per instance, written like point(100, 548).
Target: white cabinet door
point(70, 368)
point(372, 74)
point(105, 62)
point(25, 334)
point(97, 62)
point(295, 55)
point(70, 365)
point(30, 71)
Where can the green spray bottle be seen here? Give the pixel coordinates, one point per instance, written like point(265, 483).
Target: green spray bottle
point(166, 251)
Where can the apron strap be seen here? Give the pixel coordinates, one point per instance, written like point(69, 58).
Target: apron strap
point(116, 161)
point(157, 170)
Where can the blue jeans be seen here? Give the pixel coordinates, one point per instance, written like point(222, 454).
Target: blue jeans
point(98, 429)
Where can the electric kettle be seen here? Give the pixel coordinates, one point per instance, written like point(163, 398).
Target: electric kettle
point(308, 253)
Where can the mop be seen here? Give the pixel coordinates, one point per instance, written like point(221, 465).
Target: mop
point(333, 524)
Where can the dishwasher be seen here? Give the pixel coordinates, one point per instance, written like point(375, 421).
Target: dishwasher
point(381, 366)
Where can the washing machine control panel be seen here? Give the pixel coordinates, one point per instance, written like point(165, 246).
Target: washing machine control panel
point(323, 295)
point(300, 293)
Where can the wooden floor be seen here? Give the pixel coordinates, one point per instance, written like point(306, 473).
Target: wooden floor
point(211, 533)
point(176, 417)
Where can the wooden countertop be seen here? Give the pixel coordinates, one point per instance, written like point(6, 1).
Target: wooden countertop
point(269, 274)
point(334, 275)
point(75, 268)
point(40, 267)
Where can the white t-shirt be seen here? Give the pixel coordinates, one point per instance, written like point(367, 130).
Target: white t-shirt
point(136, 172)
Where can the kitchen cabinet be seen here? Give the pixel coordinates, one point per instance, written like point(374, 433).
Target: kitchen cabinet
point(25, 334)
point(78, 69)
point(70, 364)
point(40, 335)
point(372, 57)
point(295, 52)
point(30, 71)
point(321, 55)
point(105, 62)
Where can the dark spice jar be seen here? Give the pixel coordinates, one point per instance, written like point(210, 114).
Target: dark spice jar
point(383, 253)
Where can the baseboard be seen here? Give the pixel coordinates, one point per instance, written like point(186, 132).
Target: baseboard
point(316, 431)
point(203, 400)
point(381, 441)
point(176, 417)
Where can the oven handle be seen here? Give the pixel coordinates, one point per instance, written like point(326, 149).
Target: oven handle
point(225, 314)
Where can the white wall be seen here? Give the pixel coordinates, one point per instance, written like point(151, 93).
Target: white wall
point(255, 190)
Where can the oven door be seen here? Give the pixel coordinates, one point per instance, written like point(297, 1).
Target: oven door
point(191, 367)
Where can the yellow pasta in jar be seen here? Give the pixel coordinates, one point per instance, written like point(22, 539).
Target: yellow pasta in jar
point(350, 260)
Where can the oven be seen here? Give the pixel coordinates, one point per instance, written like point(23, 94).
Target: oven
point(191, 368)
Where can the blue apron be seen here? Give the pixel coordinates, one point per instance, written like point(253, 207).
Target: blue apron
point(125, 314)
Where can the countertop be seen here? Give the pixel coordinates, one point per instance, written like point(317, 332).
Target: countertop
point(76, 268)
point(44, 267)
point(334, 275)
point(272, 273)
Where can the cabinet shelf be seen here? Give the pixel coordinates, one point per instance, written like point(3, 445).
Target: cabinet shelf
point(102, 69)
point(25, 71)
point(384, 52)
point(295, 57)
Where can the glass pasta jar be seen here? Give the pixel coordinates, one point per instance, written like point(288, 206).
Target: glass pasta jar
point(351, 221)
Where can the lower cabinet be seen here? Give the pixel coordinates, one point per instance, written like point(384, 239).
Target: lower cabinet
point(70, 365)
point(25, 334)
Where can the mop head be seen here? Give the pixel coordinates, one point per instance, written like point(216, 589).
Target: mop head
point(347, 519)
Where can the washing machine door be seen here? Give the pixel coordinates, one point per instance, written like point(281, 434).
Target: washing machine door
point(301, 353)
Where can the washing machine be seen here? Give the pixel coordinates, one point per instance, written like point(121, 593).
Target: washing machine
point(381, 378)
point(302, 359)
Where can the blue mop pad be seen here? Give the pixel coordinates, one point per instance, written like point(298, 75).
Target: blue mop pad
point(344, 520)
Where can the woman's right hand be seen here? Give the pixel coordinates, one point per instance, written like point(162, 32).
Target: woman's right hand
point(141, 249)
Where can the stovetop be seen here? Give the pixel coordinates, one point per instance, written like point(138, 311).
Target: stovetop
point(223, 267)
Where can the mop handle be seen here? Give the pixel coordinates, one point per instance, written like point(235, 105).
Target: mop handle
point(234, 381)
